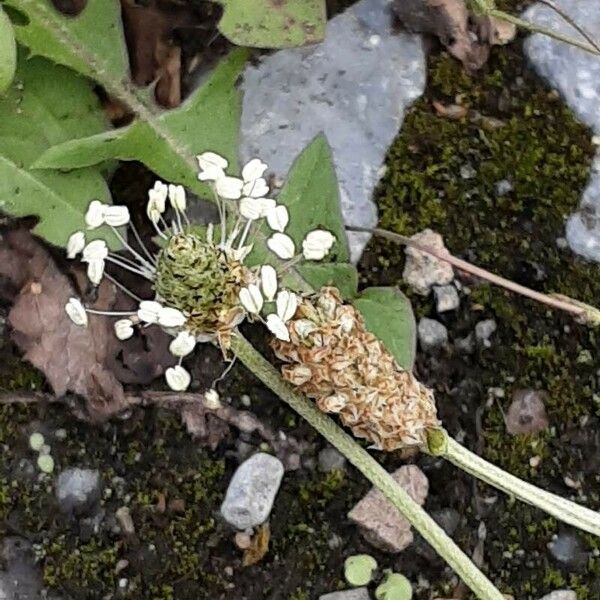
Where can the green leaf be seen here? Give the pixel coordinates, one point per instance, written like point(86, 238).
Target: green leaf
point(91, 42)
point(208, 120)
point(388, 315)
point(273, 23)
point(8, 52)
point(48, 104)
point(343, 276)
point(311, 195)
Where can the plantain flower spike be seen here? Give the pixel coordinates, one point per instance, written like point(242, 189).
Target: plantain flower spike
point(333, 359)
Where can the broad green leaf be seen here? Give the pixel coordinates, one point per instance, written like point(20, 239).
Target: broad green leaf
point(388, 315)
point(91, 42)
point(208, 120)
point(311, 195)
point(48, 104)
point(273, 23)
point(8, 52)
point(343, 276)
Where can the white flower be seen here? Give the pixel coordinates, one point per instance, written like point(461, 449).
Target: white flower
point(287, 303)
point(277, 327)
point(95, 270)
point(157, 198)
point(178, 379)
point(282, 245)
point(148, 311)
point(278, 218)
point(76, 312)
point(253, 169)
point(171, 317)
point(183, 344)
point(116, 216)
point(177, 197)
point(257, 188)
point(75, 244)
point(94, 217)
point(250, 209)
point(123, 329)
point(268, 280)
point(251, 299)
point(209, 160)
point(317, 244)
point(229, 187)
point(96, 250)
point(211, 400)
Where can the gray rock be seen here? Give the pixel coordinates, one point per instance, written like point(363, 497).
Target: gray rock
point(484, 330)
point(380, 522)
point(503, 187)
point(252, 491)
point(20, 576)
point(422, 270)
point(575, 74)
point(355, 86)
point(330, 459)
point(78, 490)
point(446, 298)
point(568, 549)
point(561, 595)
point(432, 334)
point(356, 594)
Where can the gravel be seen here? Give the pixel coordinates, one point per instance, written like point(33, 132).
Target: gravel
point(78, 490)
point(432, 334)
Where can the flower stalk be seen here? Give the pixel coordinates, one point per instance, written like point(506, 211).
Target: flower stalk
point(369, 467)
point(441, 444)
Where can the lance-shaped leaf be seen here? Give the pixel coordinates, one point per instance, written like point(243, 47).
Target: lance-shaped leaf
point(46, 105)
point(208, 120)
point(388, 315)
point(273, 23)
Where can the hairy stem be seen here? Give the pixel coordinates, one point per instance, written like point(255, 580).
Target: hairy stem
point(560, 508)
point(583, 312)
point(370, 468)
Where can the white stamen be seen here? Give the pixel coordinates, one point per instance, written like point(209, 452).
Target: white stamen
point(171, 317)
point(148, 311)
point(287, 303)
point(278, 218)
point(182, 344)
point(96, 250)
point(251, 299)
point(177, 197)
point(211, 400)
point(208, 160)
point(116, 216)
point(257, 188)
point(268, 280)
point(229, 187)
point(123, 329)
point(178, 379)
point(94, 217)
point(317, 243)
point(95, 271)
point(277, 327)
point(253, 169)
point(282, 245)
point(250, 209)
point(75, 244)
point(76, 312)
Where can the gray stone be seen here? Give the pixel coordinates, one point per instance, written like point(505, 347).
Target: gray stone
point(252, 491)
point(354, 86)
point(423, 270)
point(78, 490)
point(484, 331)
point(432, 334)
point(20, 576)
point(330, 459)
point(567, 548)
point(356, 594)
point(503, 187)
point(561, 595)
point(446, 298)
point(575, 74)
point(380, 522)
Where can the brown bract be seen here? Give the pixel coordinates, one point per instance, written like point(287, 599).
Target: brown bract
point(72, 358)
point(334, 360)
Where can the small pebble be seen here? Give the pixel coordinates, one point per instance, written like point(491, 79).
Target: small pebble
point(432, 334)
point(45, 463)
point(242, 540)
point(484, 330)
point(245, 400)
point(36, 441)
point(446, 298)
point(330, 459)
point(125, 521)
point(60, 434)
point(535, 461)
point(121, 566)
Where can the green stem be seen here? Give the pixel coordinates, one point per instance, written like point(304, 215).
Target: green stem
point(560, 508)
point(369, 467)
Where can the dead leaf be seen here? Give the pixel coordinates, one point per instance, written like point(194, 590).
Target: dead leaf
point(72, 358)
point(495, 32)
point(259, 546)
point(207, 428)
point(454, 112)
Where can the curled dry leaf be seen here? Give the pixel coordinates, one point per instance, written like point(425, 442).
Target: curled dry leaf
point(259, 546)
point(72, 358)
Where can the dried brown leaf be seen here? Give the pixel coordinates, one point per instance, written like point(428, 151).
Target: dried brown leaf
point(259, 546)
